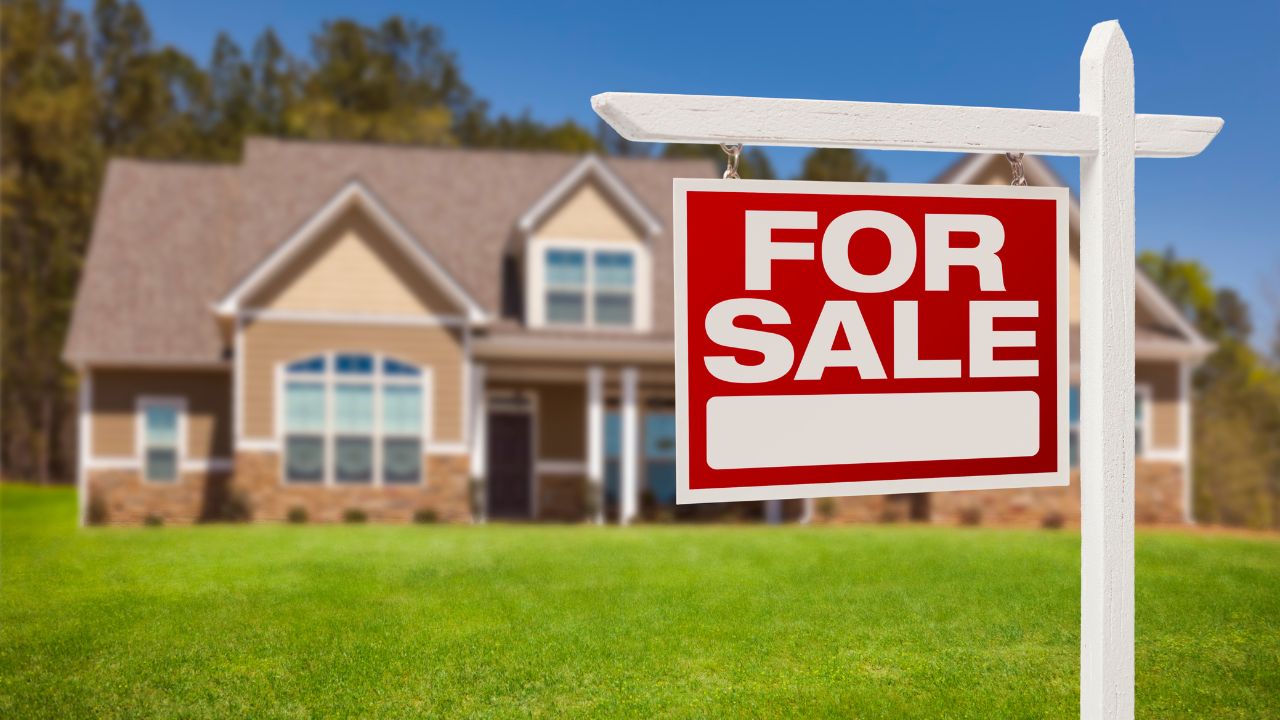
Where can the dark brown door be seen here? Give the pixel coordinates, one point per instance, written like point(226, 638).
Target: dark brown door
point(510, 465)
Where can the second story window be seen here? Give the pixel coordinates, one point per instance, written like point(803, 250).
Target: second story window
point(591, 285)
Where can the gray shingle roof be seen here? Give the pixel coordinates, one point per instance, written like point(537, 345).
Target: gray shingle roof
point(171, 238)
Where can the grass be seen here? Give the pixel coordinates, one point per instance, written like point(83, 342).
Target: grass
point(872, 621)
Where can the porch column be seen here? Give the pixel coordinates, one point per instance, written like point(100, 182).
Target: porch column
point(630, 490)
point(595, 439)
point(479, 444)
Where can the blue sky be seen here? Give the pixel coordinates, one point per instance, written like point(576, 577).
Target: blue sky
point(1191, 58)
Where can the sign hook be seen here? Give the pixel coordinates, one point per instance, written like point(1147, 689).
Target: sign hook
point(1015, 164)
point(734, 151)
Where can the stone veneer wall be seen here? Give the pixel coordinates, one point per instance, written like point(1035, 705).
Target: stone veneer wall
point(562, 497)
point(1158, 499)
point(445, 491)
point(124, 498)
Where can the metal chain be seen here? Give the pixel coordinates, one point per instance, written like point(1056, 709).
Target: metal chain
point(1015, 164)
point(734, 151)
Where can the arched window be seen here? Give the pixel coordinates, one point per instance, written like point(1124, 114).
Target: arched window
point(352, 418)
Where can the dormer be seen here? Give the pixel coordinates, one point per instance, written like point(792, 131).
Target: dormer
point(587, 253)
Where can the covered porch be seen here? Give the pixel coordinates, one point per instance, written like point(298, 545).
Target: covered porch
point(571, 442)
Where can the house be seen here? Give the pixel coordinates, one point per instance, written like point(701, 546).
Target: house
point(459, 334)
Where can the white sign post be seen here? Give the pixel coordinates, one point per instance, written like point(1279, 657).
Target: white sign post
point(1106, 135)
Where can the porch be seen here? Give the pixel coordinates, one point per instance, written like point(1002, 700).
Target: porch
point(566, 442)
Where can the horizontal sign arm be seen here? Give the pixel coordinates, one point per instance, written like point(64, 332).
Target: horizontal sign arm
point(886, 126)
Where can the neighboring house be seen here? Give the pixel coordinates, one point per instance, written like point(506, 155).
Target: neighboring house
point(462, 334)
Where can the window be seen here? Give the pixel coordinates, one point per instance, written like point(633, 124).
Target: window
point(354, 419)
point(660, 456)
point(161, 438)
point(1141, 412)
point(590, 285)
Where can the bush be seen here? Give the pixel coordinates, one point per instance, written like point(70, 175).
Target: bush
point(96, 513)
point(971, 515)
point(237, 508)
point(297, 515)
point(827, 508)
point(153, 520)
point(425, 516)
point(354, 515)
point(1053, 520)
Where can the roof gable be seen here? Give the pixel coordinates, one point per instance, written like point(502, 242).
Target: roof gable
point(352, 196)
point(590, 170)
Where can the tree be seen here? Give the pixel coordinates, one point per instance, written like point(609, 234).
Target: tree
point(49, 169)
point(840, 164)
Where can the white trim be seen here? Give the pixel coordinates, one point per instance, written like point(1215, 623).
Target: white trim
point(319, 316)
point(237, 384)
point(84, 444)
point(118, 462)
point(258, 445)
point(354, 193)
point(1145, 450)
point(1186, 440)
point(629, 485)
point(536, 288)
point(179, 404)
point(448, 449)
point(153, 364)
point(187, 465)
point(590, 166)
point(595, 438)
point(560, 466)
point(209, 465)
point(541, 347)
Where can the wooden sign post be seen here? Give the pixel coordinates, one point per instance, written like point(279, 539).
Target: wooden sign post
point(1106, 135)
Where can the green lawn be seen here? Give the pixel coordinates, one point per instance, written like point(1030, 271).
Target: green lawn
point(881, 621)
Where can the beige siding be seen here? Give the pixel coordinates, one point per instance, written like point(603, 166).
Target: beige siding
point(353, 267)
point(270, 343)
point(1165, 419)
point(588, 214)
point(115, 402)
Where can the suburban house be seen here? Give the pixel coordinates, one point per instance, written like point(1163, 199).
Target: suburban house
point(463, 335)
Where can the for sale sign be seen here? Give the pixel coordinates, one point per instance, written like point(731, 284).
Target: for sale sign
point(863, 338)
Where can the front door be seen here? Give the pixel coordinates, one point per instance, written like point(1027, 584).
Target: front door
point(510, 465)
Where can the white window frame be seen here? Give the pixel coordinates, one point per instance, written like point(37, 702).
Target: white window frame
point(1142, 393)
point(179, 405)
point(536, 287)
point(377, 380)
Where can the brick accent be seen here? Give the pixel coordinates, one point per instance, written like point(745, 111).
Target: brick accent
point(1158, 499)
point(125, 499)
point(562, 497)
point(257, 477)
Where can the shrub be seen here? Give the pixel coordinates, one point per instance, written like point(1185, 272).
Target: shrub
point(425, 516)
point(297, 515)
point(237, 508)
point(153, 520)
point(96, 513)
point(354, 515)
point(1053, 520)
point(971, 515)
point(827, 508)
point(890, 514)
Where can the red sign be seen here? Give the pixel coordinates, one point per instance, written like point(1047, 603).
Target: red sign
point(865, 338)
